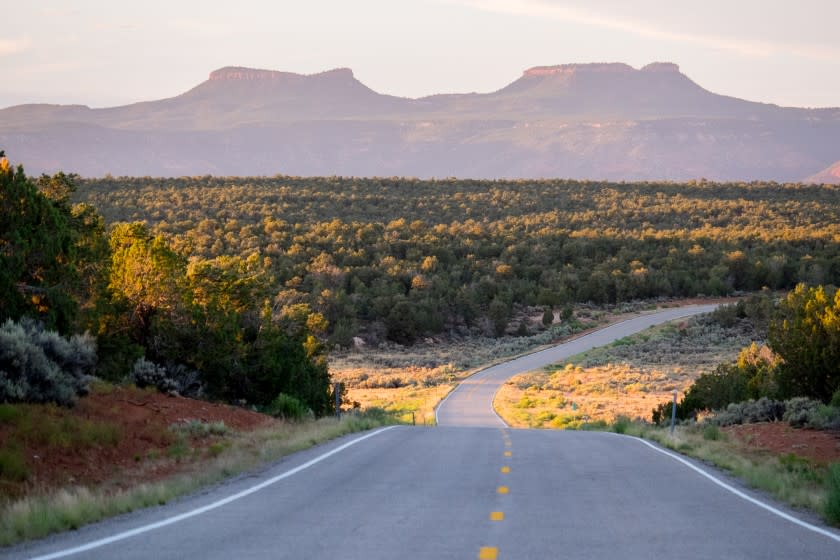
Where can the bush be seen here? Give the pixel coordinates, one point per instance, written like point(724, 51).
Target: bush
point(801, 411)
point(548, 317)
point(287, 407)
point(173, 379)
point(378, 414)
point(662, 413)
point(749, 412)
point(200, 429)
point(621, 424)
point(40, 366)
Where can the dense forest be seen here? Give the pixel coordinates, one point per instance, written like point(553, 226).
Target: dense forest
point(400, 258)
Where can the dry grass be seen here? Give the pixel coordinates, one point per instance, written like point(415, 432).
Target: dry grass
point(38, 515)
point(628, 378)
point(409, 381)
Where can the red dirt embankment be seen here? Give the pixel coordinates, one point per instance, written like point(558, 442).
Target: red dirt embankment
point(138, 422)
point(780, 438)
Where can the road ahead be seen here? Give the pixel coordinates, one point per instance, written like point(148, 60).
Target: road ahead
point(471, 403)
point(458, 492)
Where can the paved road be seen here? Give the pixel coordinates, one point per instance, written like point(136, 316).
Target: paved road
point(471, 403)
point(458, 492)
point(432, 493)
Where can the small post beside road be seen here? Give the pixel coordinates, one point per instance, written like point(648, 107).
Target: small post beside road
point(674, 412)
point(337, 391)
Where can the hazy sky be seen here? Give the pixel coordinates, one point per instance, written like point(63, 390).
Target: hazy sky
point(102, 53)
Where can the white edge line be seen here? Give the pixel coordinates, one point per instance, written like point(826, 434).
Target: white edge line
point(204, 509)
point(440, 404)
point(740, 494)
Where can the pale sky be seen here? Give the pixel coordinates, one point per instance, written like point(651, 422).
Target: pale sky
point(104, 53)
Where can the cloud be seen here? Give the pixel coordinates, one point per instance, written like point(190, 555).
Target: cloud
point(586, 16)
point(14, 46)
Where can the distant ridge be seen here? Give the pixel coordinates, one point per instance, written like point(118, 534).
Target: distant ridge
point(599, 120)
point(828, 176)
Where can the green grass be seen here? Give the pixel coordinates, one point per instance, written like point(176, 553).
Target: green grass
point(45, 425)
point(13, 464)
point(200, 429)
point(790, 479)
point(832, 501)
point(37, 516)
point(10, 414)
point(711, 432)
point(621, 425)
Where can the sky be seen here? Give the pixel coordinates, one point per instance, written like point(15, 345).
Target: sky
point(104, 53)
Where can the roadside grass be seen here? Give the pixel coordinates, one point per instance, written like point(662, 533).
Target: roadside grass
point(45, 425)
point(793, 480)
point(408, 405)
point(39, 515)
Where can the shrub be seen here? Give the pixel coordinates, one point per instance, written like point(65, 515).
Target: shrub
point(149, 374)
point(173, 379)
point(548, 316)
point(749, 412)
point(801, 411)
point(377, 414)
point(199, 429)
point(832, 501)
point(621, 424)
point(662, 413)
point(827, 418)
point(40, 366)
point(287, 407)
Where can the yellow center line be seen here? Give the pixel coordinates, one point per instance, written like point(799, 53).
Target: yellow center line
point(508, 454)
point(488, 553)
point(505, 470)
point(497, 516)
point(502, 489)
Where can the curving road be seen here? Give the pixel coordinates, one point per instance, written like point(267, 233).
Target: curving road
point(471, 403)
point(463, 492)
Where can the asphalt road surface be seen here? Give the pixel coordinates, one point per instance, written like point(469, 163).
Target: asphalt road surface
point(460, 492)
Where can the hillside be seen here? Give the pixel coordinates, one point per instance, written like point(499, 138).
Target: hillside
point(830, 175)
point(598, 121)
